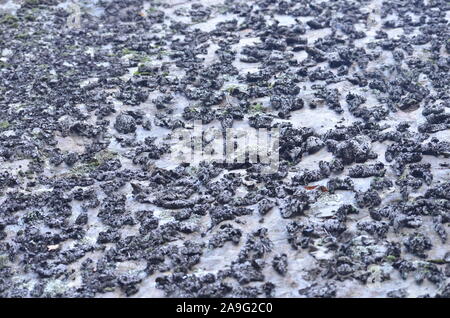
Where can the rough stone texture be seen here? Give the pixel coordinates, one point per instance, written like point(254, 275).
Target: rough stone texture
point(91, 205)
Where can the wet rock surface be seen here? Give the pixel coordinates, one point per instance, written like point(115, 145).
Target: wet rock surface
point(92, 206)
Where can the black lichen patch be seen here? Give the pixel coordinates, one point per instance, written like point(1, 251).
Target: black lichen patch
point(91, 204)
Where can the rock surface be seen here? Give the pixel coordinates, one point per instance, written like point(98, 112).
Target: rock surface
point(92, 206)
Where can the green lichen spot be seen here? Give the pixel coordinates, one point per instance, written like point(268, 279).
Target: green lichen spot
point(3, 261)
point(4, 124)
